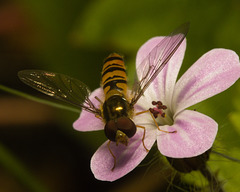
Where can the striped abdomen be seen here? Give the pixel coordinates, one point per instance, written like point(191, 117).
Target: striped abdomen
point(114, 78)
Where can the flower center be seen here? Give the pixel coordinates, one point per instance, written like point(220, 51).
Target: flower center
point(159, 111)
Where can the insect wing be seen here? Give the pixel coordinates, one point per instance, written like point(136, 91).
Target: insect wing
point(156, 60)
point(59, 86)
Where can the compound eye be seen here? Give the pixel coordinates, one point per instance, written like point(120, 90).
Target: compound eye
point(127, 126)
point(110, 130)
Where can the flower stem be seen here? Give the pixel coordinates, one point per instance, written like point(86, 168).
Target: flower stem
point(27, 96)
point(227, 157)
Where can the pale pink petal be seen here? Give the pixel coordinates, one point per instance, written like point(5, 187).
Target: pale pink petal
point(195, 134)
point(128, 157)
point(213, 73)
point(163, 85)
point(87, 121)
point(145, 49)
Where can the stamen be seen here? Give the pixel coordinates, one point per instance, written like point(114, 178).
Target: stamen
point(158, 110)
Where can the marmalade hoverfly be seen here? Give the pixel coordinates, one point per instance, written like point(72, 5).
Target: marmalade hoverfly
point(117, 109)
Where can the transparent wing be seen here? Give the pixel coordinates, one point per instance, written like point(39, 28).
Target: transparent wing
point(157, 59)
point(61, 87)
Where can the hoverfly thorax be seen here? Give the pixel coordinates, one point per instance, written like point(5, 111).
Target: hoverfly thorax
point(116, 108)
point(119, 127)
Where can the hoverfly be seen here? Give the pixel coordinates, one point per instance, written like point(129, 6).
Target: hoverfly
point(117, 110)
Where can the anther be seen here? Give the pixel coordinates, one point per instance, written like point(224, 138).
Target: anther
point(163, 115)
point(158, 110)
point(164, 107)
point(154, 103)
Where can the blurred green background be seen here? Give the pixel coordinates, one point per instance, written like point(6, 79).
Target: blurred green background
point(39, 149)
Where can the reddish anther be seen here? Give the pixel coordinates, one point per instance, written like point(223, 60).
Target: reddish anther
point(158, 110)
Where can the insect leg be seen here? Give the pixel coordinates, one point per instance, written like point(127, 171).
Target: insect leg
point(114, 158)
point(99, 116)
point(100, 101)
point(148, 111)
point(144, 132)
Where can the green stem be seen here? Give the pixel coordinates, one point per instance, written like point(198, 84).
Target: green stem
point(227, 157)
point(12, 165)
point(27, 96)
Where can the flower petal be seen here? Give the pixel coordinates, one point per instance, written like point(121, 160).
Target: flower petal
point(128, 157)
point(163, 85)
point(195, 134)
point(214, 72)
point(146, 48)
point(87, 121)
point(166, 80)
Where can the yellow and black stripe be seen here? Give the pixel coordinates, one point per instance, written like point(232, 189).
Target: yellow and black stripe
point(114, 77)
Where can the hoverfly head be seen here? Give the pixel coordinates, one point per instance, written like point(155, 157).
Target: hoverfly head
point(120, 130)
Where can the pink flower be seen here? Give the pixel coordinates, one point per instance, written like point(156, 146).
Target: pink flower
point(195, 133)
